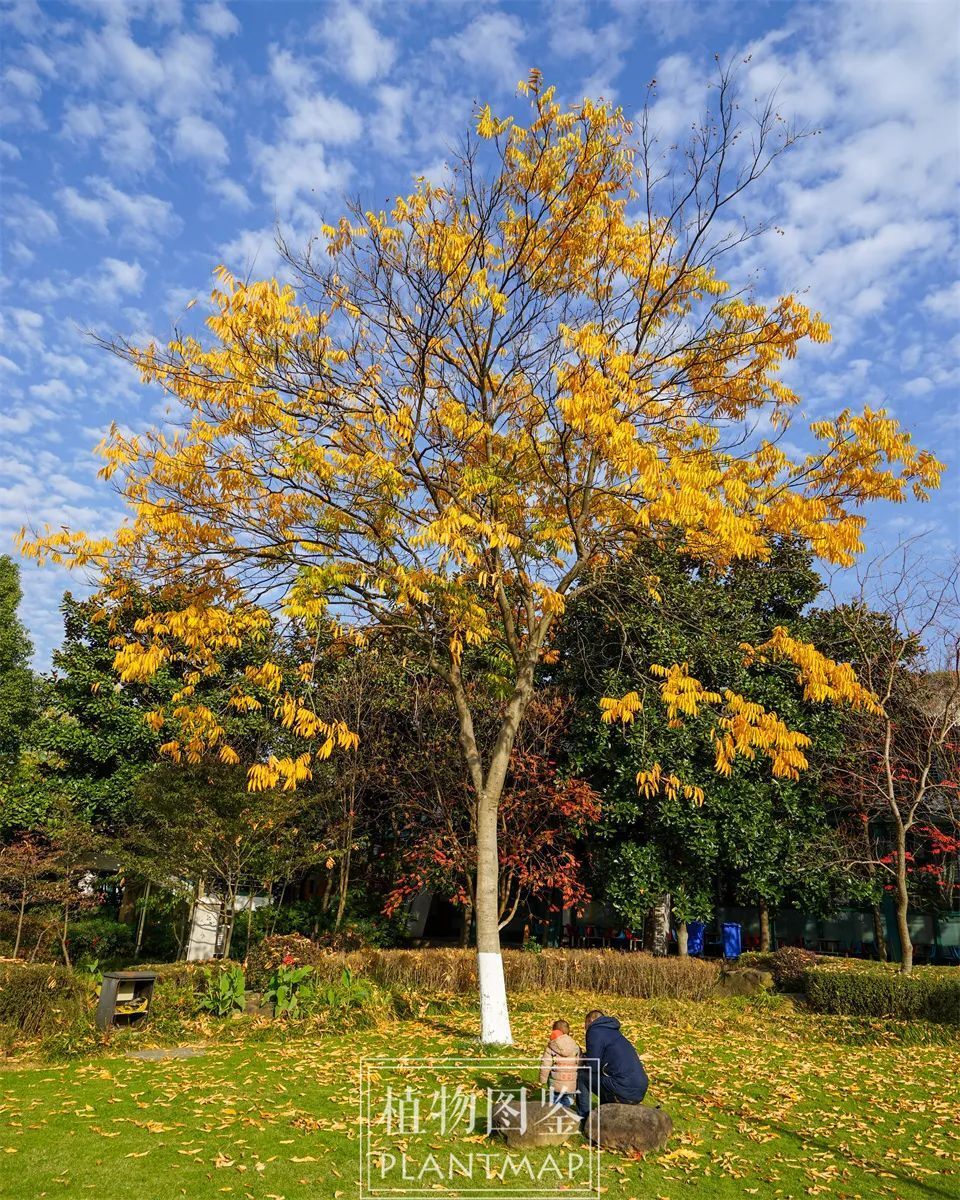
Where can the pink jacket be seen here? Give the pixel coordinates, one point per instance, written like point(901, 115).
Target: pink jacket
point(559, 1063)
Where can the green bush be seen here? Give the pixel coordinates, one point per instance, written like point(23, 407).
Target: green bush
point(855, 988)
point(180, 987)
point(291, 990)
point(100, 938)
point(309, 919)
point(38, 937)
point(224, 991)
point(40, 998)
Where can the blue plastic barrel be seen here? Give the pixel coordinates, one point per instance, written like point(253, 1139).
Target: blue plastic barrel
point(695, 931)
point(731, 941)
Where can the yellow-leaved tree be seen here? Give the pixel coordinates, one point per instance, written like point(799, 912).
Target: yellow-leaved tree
point(467, 405)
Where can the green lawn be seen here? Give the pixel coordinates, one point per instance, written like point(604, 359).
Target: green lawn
point(766, 1102)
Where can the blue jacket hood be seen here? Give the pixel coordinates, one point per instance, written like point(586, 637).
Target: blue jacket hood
point(605, 1023)
point(620, 1068)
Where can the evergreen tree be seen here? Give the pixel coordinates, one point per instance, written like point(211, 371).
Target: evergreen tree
point(17, 691)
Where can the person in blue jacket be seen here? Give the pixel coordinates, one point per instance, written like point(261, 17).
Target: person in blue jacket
point(611, 1066)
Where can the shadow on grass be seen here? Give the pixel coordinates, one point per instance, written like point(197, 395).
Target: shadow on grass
point(805, 1142)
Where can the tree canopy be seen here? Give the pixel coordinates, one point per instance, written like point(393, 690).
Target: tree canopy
point(465, 405)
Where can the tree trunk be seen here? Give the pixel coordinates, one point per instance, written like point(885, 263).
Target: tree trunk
point(128, 902)
point(246, 949)
point(229, 914)
point(879, 932)
point(903, 901)
point(63, 935)
point(23, 905)
point(494, 1017)
point(343, 881)
point(764, 927)
point(344, 886)
point(143, 920)
point(467, 922)
point(661, 925)
point(682, 939)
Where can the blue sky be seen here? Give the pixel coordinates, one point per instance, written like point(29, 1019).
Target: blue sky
point(146, 142)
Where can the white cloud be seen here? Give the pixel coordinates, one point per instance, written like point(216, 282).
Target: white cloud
point(253, 251)
point(490, 45)
point(122, 133)
point(355, 47)
point(388, 125)
point(115, 279)
point(320, 118)
point(109, 209)
point(23, 83)
point(291, 173)
point(26, 327)
point(18, 419)
point(231, 192)
point(53, 391)
point(27, 218)
point(198, 138)
point(296, 169)
point(943, 302)
point(217, 19)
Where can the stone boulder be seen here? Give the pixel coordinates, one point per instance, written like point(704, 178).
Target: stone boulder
point(629, 1128)
point(537, 1124)
point(743, 981)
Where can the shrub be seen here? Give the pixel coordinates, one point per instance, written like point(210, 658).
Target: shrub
point(100, 938)
point(289, 949)
point(224, 991)
point(179, 987)
point(756, 960)
point(439, 972)
point(38, 937)
point(291, 991)
point(789, 965)
point(39, 998)
point(312, 921)
point(864, 989)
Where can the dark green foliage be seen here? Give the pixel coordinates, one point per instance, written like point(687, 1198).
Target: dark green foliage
point(108, 941)
point(862, 989)
point(755, 832)
point(90, 743)
point(17, 691)
point(311, 919)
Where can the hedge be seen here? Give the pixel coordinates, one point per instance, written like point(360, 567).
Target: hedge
point(39, 998)
point(432, 972)
point(788, 965)
point(613, 972)
point(852, 987)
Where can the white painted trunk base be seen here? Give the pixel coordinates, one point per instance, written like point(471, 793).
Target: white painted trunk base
point(494, 1017)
